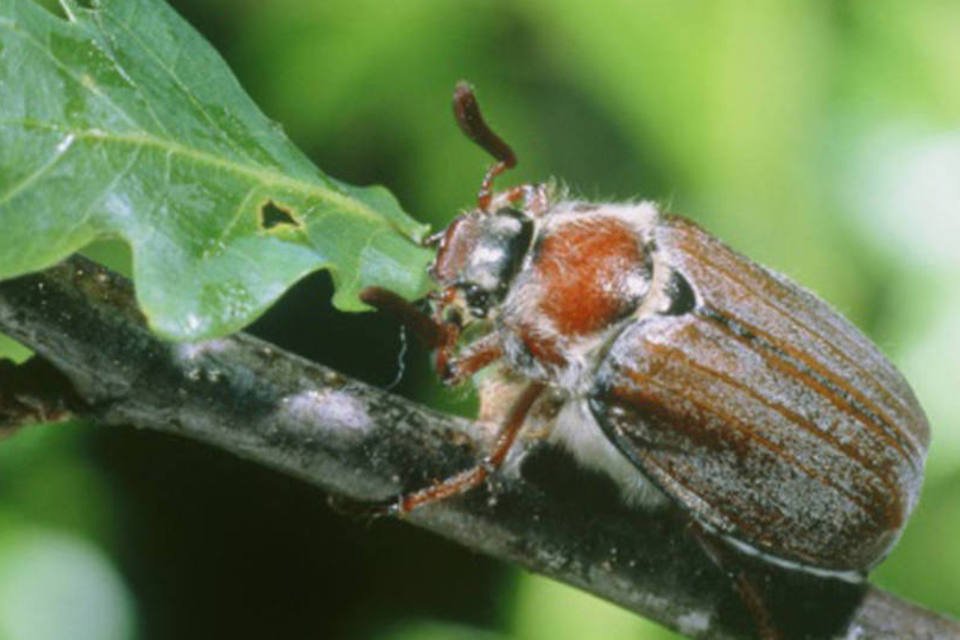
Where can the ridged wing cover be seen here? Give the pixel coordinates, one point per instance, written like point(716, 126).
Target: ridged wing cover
point(763, 412)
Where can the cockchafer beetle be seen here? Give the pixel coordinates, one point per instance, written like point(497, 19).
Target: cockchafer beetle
point(685, 371)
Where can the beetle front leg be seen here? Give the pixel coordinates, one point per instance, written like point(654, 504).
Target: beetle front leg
point(471, 359)
point(444, 357)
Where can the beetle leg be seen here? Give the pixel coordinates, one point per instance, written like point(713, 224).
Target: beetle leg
point(746, 587)
point(474, 357)
point(466, 480)
point(444, 358)
point(449, 330)
point(752, 598)
point(433, 240)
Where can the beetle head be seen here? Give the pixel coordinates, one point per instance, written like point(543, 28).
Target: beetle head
point(479, 254)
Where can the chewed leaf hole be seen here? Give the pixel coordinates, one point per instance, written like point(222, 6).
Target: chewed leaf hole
point(273, 215)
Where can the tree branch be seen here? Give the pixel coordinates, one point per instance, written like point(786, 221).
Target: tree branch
point(360, 443)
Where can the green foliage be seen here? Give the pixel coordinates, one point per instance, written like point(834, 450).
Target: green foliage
point(120, 120)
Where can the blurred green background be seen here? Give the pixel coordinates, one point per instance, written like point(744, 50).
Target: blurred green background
point(820, 138)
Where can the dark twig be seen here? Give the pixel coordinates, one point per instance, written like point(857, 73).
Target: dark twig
point(359, 443)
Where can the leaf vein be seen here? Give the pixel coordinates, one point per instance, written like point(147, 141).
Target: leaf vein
point(241, 206)
point(70, 73)
point(265, 175)
point(87, 212)
point(59, 152)
point(147, 103)
point(184, 90)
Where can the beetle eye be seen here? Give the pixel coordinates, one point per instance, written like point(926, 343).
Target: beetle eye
point(478, 300)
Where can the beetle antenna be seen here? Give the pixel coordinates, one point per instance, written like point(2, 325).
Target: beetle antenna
point(471, 122)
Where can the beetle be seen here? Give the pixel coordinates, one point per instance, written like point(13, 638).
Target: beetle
point(683, 369)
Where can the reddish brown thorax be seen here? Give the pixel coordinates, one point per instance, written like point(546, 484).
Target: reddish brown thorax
point(590, 275)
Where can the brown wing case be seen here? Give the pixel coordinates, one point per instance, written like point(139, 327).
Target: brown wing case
point(764, 413)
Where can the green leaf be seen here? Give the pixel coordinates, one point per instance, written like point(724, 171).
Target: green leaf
point(121, 121)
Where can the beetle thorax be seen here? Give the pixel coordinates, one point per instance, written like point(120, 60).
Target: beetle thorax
point(590, 268)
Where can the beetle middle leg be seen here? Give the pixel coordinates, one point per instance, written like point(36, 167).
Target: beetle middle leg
point(473, 477)
point(471, 359)
point(485, 351)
